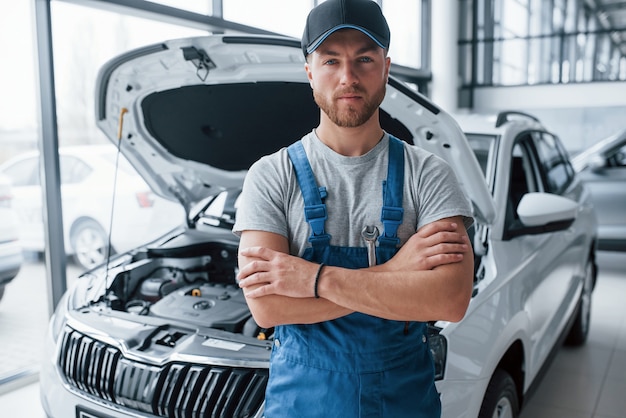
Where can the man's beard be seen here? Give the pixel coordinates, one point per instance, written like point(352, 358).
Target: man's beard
point(350, 117)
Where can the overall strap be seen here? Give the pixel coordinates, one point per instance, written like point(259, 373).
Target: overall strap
point(314, 207)
point(392, 211)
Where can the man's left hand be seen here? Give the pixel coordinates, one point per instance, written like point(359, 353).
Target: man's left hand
point(276, 273)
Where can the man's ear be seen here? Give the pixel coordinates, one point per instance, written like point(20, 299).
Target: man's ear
point(309, 75)
point(387, 68)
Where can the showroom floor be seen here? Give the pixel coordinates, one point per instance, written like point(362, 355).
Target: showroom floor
point(586, 382)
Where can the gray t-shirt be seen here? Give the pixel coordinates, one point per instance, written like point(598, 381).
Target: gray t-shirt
point(271, 199)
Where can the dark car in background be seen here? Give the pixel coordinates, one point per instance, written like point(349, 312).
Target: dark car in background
point(603, 168)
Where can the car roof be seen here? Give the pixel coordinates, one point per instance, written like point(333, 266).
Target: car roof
point(496, 123)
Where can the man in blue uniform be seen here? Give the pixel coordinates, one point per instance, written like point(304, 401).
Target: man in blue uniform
point(350, 320)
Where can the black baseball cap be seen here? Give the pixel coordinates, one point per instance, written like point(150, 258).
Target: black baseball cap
point(332, 15)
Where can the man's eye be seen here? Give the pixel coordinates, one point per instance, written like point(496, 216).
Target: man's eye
point(330, 62)
point(365, 59)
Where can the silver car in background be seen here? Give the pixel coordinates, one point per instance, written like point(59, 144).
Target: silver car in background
point(603, 168)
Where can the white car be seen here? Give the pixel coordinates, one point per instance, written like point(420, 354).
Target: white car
point(535, 269)
point(88, 177)
point(166, 331)
point(10, 249)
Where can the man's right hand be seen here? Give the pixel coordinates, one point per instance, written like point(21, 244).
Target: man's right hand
point(435, 244)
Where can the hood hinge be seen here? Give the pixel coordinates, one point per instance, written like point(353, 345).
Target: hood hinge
point(200, 60)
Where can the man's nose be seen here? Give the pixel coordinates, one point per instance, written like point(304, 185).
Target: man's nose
point(348, 74)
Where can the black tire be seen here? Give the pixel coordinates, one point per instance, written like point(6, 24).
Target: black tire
point(580, 329)
point(89, 243)
point(500, 399)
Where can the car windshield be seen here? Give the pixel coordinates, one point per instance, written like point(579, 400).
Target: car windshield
point(220, 211)
point(618, 158)
point(484, 147)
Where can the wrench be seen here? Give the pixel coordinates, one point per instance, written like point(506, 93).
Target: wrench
point(370, 234)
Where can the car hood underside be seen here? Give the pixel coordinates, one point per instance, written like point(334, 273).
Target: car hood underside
point(193, 114)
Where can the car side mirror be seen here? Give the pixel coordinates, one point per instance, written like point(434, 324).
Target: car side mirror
point(546, 212)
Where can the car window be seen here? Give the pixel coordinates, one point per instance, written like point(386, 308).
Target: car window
point(24, 172)
point(556, 169)
point(120, 161)
point(522, 180)
point(221, 211)
point(618, 159)
point(484, 149)
point(73, 169)
point(216, 208)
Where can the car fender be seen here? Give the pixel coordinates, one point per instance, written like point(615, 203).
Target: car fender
point(492, 316)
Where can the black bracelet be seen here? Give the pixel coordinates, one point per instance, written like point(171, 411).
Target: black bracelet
point(317, 279)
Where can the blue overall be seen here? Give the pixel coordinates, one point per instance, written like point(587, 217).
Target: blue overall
point(357, 365)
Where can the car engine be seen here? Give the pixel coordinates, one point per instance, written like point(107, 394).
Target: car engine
point(186, 280)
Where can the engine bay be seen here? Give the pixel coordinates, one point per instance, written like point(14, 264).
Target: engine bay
point(185, 279)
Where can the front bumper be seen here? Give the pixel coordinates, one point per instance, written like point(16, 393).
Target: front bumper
point(461, 399)
point(86, 378)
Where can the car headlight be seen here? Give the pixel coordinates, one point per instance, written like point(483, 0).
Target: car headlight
point(74, 297)
point(438, 349)
point(59, 317)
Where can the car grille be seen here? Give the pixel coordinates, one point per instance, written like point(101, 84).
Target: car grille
point(174, 390)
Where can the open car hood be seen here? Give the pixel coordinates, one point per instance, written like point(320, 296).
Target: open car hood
point(193, 114)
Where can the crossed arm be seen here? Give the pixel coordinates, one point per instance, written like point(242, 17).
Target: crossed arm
point(430, 278)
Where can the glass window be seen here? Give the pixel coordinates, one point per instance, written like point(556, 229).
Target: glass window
point(514, 19)
point(286, 17)
point(404, 18)
point(83, 39)
point(196, 6)
point(513, 61)
point(521, 181)
point(18, 97)
point(618, 159)
point(484, 147)
point(465, 63)
point(539, 61)
point(465, 20)
point(24, 172)
point(556, 170)
point(221, 210)
point(73, 170)
point(522, 42)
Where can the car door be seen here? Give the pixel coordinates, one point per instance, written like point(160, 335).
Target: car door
point(556, 255)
